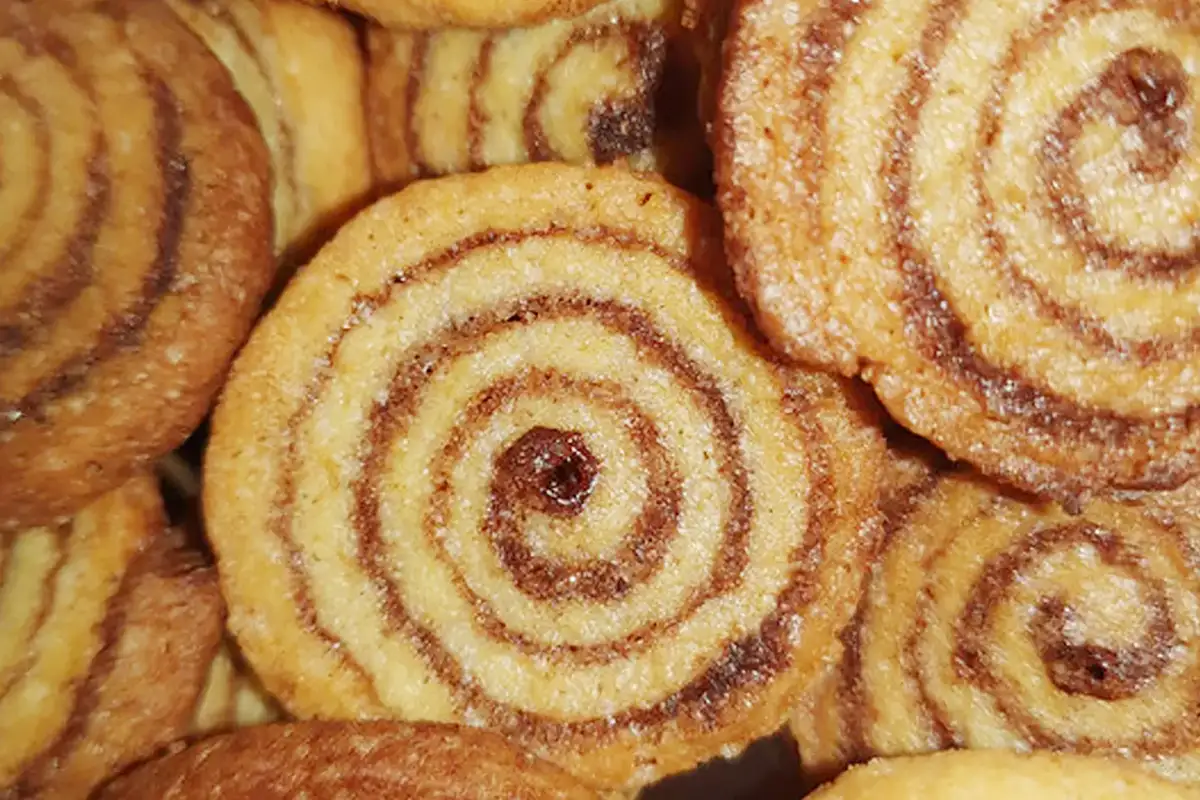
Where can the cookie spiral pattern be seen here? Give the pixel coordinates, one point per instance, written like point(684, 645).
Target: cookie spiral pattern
point(134, 238)
point(351, 760)
point(1001, 775)
point(521, 464)
point(300, 70)
point(580, 90)
point(995, 622)
point(107, 626)
point(989, 210)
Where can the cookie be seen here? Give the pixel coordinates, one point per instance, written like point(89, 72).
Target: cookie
point(995, 621)
point(584, 90)
point(107, 626)
point(988, 211)
point(431, 14)
point(519, 461)
point(1000, 775)
point(301, 72)
point(326, 760)
point(232, 697)
point(135, 238)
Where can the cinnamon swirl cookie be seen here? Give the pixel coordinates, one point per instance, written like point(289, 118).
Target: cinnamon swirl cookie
point(992, 621)
point(582, 90)
point(989, 210)
point(107, 626)
point(300, 70)
point(135, 243)
point(326, 760)
point(427, 14)
point(1000, 776)
point(519, 462)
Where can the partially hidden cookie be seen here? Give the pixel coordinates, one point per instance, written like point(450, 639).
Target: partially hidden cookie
point(135, 240)
point(991, 620)
point(430, 14)
point(518, 461)
point(107, 627)
point(995, 775)
point(991, 211)
point(348, 761)
point(232, 697)
point(300, 70)
point(615, 84)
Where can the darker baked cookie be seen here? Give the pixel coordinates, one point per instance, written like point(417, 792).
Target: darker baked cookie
point(350, 761)
point(135, 242)
point(989, 211)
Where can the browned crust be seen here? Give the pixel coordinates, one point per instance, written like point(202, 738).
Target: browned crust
point(345, 759)
point(151, 374)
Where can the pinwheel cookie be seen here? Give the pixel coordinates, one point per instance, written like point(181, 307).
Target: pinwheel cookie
point(300, 70)
point(1001, 775)
point(107, 626)
point(582, 90)
point(135, 243)
point(990, 210)
point(993, 621)
point(517, 460)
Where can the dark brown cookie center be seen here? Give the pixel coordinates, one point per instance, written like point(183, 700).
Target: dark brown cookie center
point(549, 470)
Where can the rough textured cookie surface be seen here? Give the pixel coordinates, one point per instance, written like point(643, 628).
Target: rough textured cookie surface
point(345, 760)
point(991, 211)
point(519, 461)
point(135, 241)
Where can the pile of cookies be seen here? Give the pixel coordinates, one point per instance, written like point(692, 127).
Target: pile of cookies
point(544, 399)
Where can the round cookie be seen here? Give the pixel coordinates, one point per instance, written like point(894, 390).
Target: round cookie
point(616, 84)
point(350, 760)
point(971, 775)
point(135, 237)
point(519, 461)
point(107, 626)
point(995, 621)
point(300, 70)
point(990, 212)
point(431, 14)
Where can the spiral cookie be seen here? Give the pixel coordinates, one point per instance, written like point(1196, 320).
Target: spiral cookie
point(232, 696)
point(426, 14)
point(1001, 775)
point(581, 90)
point(991, 211)
point(519, 463)
point(325, 760)
point(995, 622)
point(135, 243)
point(300, 70)
point(107, 626)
